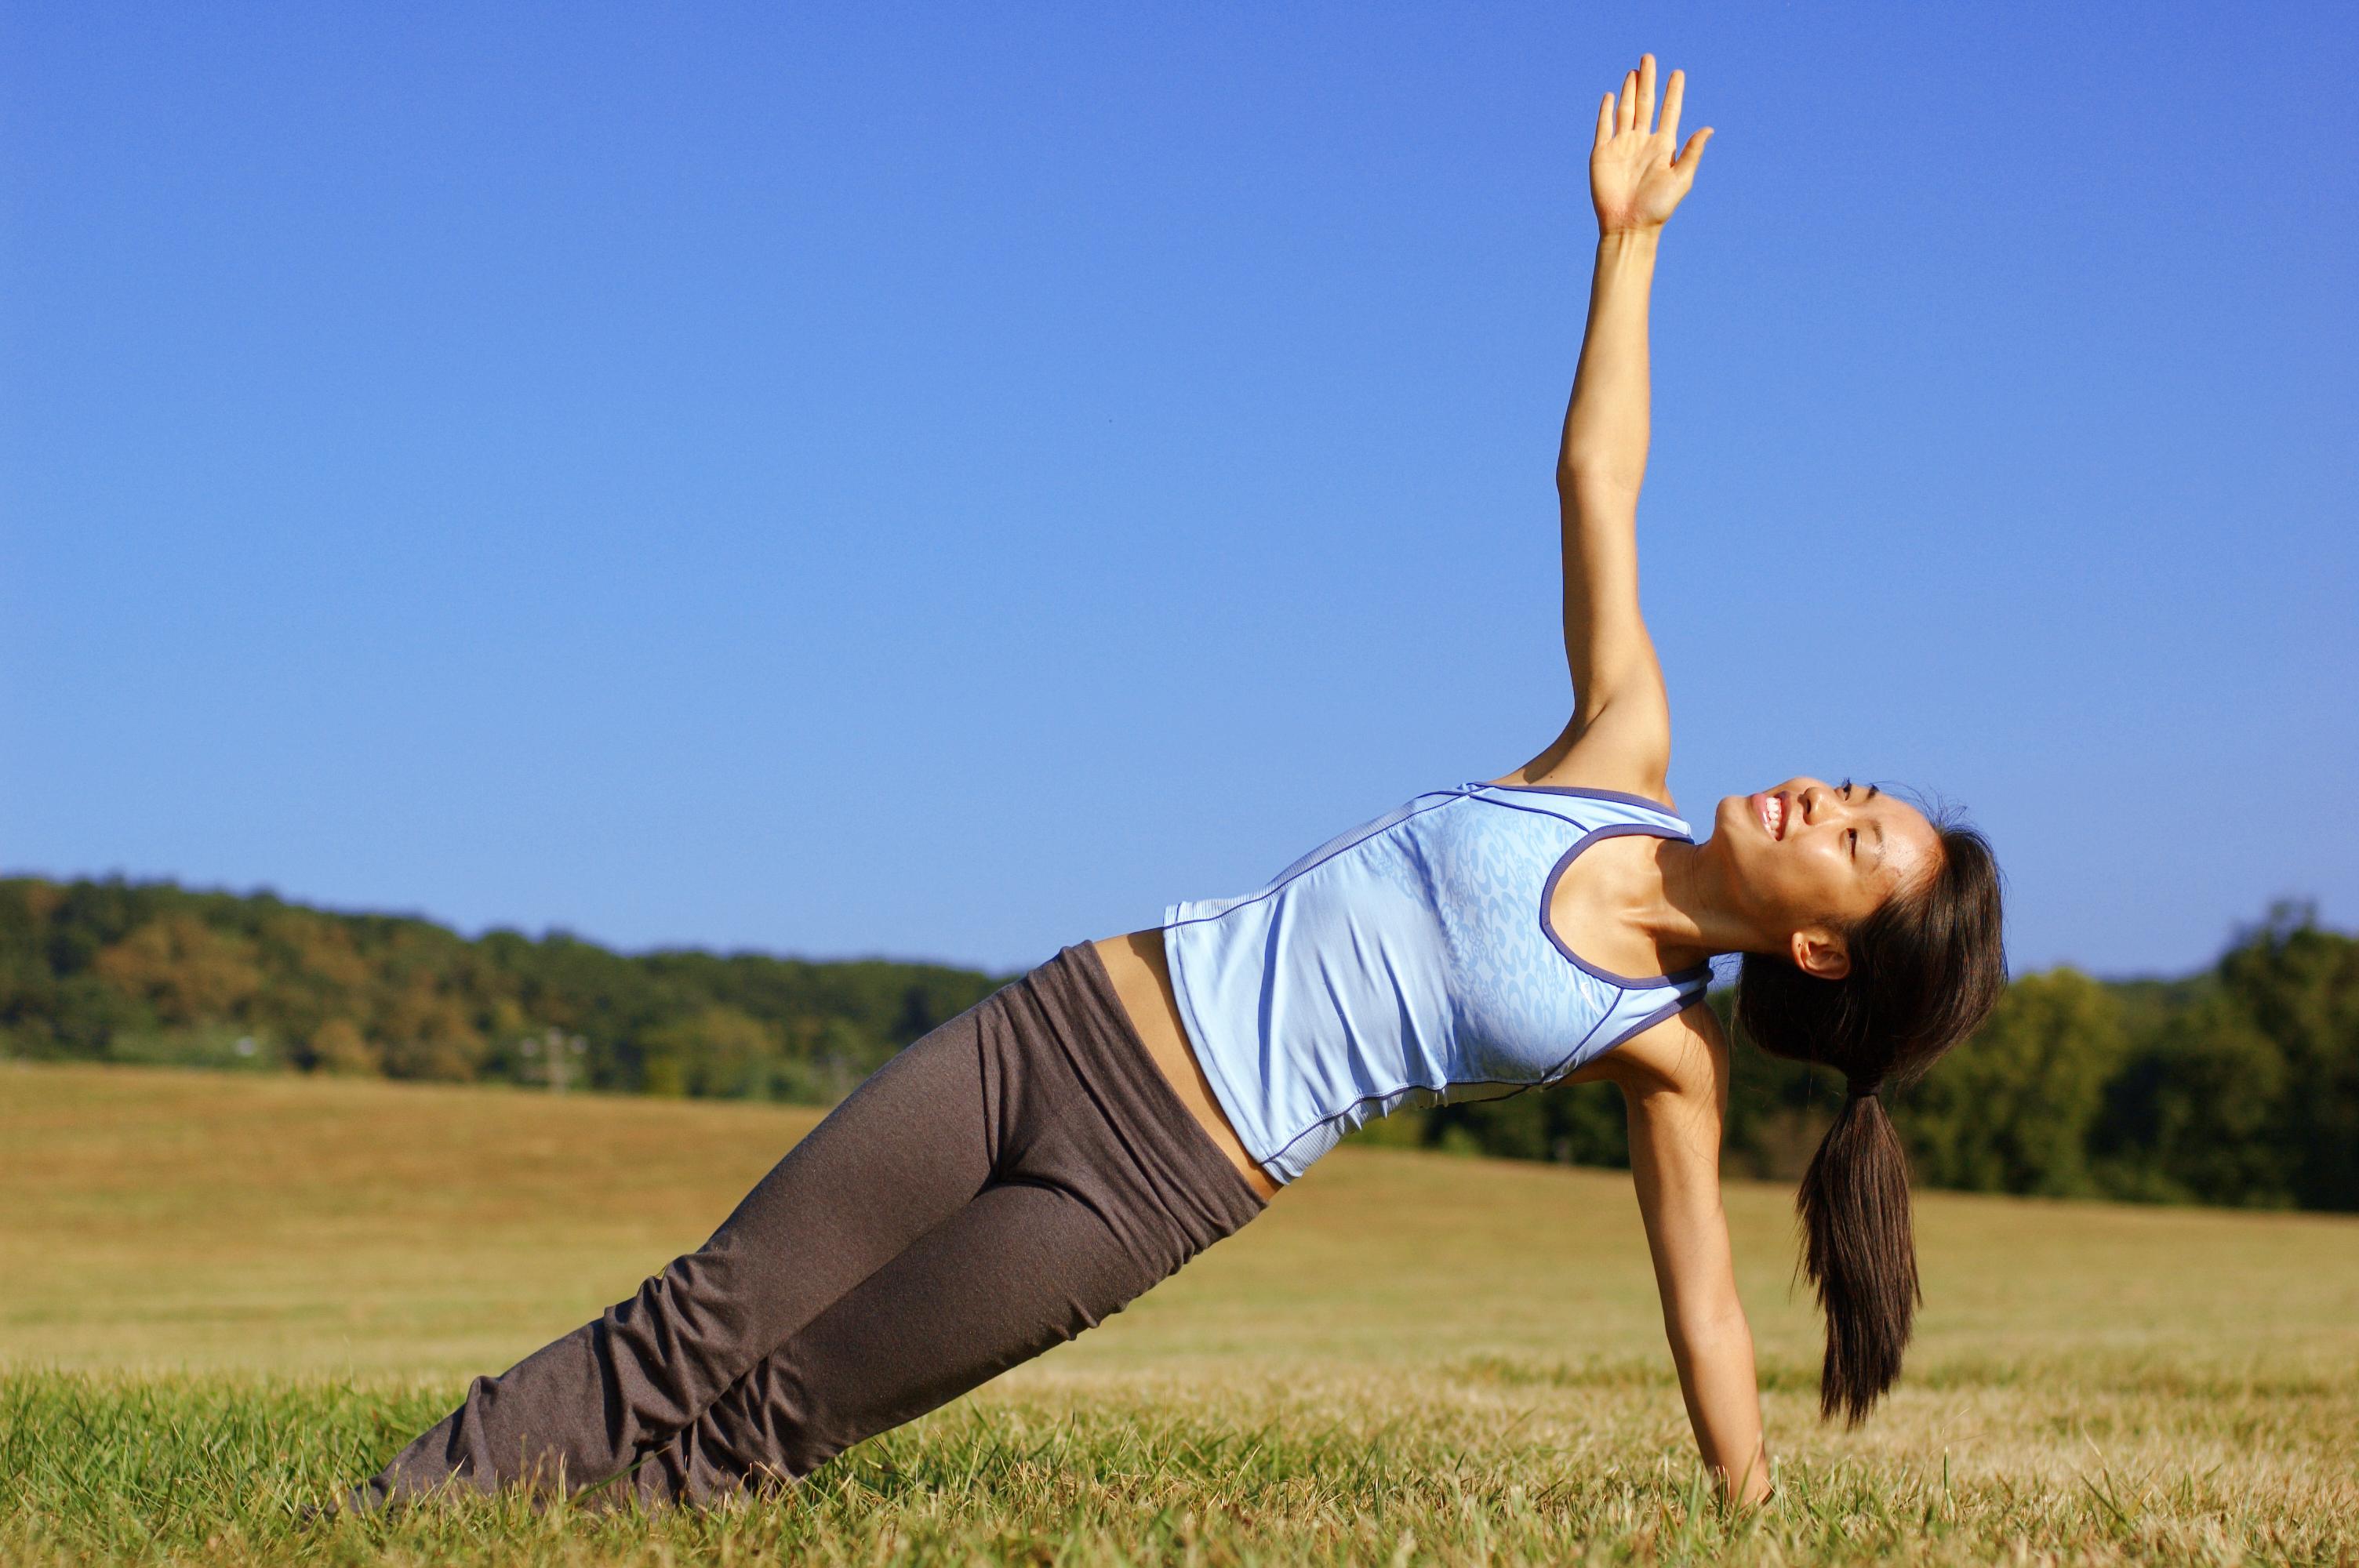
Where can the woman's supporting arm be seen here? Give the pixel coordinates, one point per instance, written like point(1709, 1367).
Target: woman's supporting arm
point(1676, 1087)
point(1619, 736)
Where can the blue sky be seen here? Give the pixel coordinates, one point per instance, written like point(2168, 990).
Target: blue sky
point(948, 480)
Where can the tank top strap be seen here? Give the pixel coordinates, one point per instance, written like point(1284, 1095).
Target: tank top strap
point(1586, 809)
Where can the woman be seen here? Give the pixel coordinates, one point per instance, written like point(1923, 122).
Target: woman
point(1033, 1164)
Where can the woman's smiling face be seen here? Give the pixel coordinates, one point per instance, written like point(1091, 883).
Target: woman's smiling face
point(1809, 854)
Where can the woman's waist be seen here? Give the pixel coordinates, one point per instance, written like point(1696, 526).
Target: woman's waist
point(1141, 974)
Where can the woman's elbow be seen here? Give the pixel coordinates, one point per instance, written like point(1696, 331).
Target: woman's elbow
point(1706, 1328)
point(1597, 480)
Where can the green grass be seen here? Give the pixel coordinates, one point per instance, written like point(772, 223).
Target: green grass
point(230, 1296)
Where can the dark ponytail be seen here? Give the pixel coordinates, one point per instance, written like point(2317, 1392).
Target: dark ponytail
point(1926, 969)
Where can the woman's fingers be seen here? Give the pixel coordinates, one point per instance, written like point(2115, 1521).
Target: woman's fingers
point(1674, 94)
point(1686, 162)
point(1632, 109)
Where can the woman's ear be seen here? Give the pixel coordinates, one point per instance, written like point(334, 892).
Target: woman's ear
point(1821, 952)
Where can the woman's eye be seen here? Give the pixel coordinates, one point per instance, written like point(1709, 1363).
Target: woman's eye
point(1846, 788)
point(1852, 835)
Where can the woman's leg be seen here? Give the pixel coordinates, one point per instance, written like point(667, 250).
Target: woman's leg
point(1108, 1187)
point(1009, 1180)
point(1019, 1271)
point(909, 1148)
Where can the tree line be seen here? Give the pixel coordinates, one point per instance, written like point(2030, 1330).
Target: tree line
point(154, 973)
point(2238, 1086)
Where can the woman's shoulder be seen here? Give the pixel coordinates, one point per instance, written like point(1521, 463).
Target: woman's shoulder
point(1685, 1055)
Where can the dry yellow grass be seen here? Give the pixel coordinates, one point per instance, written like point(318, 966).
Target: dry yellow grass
point(192, 1220)
point(2176, 1365)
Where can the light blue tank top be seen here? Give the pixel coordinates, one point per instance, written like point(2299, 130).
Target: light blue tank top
point(1409, 962)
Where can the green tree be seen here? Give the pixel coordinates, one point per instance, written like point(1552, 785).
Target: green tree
point(2189, 1117)
point(2248, 1095)
point(90, 969)
point(2011, 1110)
point(1573, 1124)
point(2299, 986)
point(715, 1052)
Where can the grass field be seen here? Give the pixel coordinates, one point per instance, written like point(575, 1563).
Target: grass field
point(225, 1295)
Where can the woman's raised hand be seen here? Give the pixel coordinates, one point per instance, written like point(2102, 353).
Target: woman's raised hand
point(1636, 176)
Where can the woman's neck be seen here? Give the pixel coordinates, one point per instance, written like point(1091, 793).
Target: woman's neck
point(1687, 907)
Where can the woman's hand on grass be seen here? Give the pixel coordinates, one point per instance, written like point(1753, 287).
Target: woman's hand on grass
point(1638, 177)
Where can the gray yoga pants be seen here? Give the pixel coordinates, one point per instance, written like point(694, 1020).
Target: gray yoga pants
point(1002, 1185)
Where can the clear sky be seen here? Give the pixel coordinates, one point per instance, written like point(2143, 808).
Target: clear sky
point(945, 481)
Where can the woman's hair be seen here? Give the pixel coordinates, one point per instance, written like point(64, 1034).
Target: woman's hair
point(1926, 969)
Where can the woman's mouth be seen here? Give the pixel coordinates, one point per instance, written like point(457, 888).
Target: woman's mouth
point(1772, 809)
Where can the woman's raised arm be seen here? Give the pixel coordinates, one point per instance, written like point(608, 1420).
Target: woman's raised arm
point(1620, 735)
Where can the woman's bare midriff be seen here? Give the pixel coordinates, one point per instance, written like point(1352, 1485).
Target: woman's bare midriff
point(1142, 979)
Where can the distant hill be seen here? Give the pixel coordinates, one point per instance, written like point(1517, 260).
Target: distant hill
point(155, 973)
point(2238, 1086)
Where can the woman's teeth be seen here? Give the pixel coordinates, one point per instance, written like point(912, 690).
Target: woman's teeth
point(1773, 814)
